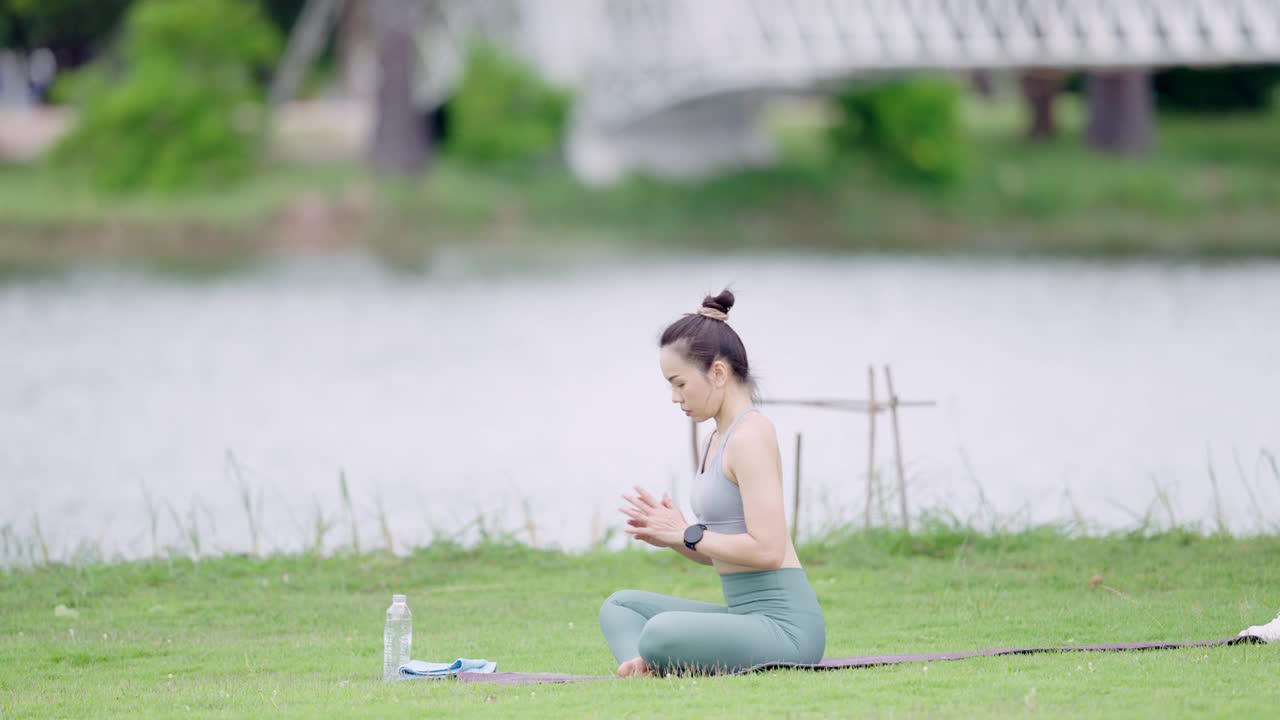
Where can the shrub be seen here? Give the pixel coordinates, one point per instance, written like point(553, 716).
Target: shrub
point(502, 111)
point(1224, 89)
point(913, 125)
point(186, 108)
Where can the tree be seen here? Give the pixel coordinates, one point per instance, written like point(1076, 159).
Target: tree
point(181, 106)
point(399, 143)
point(1121, 111)
point(1040, 88)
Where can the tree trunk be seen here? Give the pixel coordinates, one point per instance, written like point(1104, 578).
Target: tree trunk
point(306, 42)
point(1121, 112)
point(982, 84)
point(1040, 88)
point(399, 143)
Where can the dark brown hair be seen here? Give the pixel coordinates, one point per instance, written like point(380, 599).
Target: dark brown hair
point(701, 340)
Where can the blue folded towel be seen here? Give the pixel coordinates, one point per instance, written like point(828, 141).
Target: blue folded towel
point(415, 669)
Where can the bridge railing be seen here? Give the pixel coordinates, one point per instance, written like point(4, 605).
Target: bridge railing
point(664, 52)
point(942, 33)
point(644, 56)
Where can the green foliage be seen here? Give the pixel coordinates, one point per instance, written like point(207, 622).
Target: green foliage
point(913, 125)
point(503, 112)
point(186, 110)
point(1223, 89)
point(8, 27)
point(65, 24)
point(282, 13)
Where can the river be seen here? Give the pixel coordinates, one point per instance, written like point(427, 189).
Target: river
point(525, 396)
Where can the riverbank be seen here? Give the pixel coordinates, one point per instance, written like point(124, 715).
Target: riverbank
point(1211, 189)
point(298, 636)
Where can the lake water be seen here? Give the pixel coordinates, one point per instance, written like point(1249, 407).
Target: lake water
point(528, 394)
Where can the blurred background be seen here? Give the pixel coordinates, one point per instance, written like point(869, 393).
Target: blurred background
point(333, 275)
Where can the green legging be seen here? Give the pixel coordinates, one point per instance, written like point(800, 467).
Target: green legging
point(768, 616)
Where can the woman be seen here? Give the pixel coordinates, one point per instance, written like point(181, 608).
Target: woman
point(771, 613)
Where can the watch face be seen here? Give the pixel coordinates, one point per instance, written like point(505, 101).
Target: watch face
point(693, 533)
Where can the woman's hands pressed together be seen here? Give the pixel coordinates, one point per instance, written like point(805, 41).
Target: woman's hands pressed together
point(657, 522)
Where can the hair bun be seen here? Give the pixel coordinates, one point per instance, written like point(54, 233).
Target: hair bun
point(722, 302)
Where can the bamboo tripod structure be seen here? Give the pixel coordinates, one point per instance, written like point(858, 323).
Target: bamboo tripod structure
point(872, 407)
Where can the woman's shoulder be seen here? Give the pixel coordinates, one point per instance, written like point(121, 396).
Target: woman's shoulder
point(754, 429)
point(754, 443)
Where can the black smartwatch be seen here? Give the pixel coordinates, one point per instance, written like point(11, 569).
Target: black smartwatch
point(693, 535)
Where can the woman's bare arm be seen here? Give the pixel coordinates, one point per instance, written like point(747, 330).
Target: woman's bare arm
point(756, 464)
point(693, 555)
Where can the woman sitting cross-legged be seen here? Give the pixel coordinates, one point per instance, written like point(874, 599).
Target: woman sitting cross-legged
point(771, 613)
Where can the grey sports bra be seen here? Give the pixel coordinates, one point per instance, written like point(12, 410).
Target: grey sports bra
point(716, 501)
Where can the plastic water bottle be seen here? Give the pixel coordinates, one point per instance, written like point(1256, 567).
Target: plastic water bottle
point(397, 638)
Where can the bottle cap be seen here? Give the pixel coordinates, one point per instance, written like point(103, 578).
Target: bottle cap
point(399, 598)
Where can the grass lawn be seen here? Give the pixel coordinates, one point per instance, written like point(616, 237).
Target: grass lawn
point(1210, 188)
point(299, 636)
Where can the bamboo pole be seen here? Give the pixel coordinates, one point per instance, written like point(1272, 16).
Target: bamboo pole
point(850, 405)
point(871, 443)
point(897, 449)
point(795, 506)
point(693, 435)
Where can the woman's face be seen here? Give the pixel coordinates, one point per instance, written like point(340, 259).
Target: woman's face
point(694, 391)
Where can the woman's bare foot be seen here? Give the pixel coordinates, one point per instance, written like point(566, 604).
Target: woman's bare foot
point(634, 667)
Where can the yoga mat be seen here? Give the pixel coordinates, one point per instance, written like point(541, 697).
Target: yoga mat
point(874, 660)
point(516, 678)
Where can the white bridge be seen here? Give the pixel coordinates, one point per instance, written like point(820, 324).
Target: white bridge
point(677, 86)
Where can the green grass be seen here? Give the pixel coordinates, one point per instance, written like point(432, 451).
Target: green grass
point(49, 221)
point(1211, 188)
point(37, 196)
point(299, 636)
